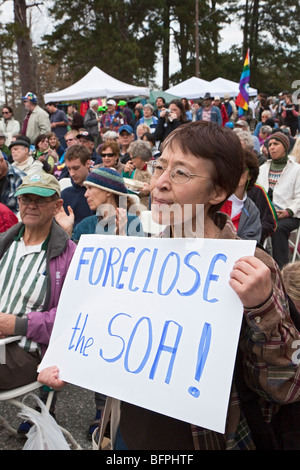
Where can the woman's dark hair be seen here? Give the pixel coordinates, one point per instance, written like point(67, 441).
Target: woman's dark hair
point(218, 145)
point(252, 165)
point(149, 137)
point(40, 138)
point(179, 105)
point(8, 107)
point(186, 104)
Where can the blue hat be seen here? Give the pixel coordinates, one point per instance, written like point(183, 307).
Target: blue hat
point(107, 179)
point(30, 97)
point(229, 124)
point(126, 128)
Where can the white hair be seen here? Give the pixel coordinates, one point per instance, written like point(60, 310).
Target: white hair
point(110, 135)
point(94, 103)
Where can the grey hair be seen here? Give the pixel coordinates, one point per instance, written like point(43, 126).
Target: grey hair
point(245, 137)
point(149, 105)
point(110, 135)
point(140, 148)
point(94, 103)
point(266, 130)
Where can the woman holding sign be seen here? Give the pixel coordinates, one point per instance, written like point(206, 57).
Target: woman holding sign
point(200, 166)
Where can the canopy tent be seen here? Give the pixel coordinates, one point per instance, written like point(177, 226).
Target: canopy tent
point(96, 84)
point(221, 86)
point(192, 88)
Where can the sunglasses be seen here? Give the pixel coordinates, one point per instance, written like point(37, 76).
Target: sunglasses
point(107, 154)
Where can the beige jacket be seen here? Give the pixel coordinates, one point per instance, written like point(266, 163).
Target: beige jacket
point(39, 123)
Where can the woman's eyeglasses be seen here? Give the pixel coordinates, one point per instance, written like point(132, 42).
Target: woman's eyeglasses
point(178, 174)
point(103, 155)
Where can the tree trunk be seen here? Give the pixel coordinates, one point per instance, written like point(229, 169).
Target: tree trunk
point(166, 45)
point(254, 26)
point(24, 47)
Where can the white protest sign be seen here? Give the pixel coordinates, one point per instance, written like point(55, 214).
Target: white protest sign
point(152, 322)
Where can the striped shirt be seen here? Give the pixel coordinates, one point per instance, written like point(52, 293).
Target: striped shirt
point(274, 176)
point(23, 282)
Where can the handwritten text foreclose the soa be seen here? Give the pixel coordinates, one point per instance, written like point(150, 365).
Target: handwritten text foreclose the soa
point(109, 267)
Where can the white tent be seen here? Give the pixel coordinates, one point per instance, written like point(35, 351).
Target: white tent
point(220, 86)
point(192, 88)
point(97, 84)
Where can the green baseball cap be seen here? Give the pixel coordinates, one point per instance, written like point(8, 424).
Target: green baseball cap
point(42, 184)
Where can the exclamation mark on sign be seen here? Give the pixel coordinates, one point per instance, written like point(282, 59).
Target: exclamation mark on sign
point(203, 350)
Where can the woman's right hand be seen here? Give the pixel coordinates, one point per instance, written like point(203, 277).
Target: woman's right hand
point(66, 221)
point(50, 377)
point(129, 167)
point(163, 113)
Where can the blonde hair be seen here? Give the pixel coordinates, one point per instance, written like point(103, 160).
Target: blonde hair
point(291, 280)
point(296, 150)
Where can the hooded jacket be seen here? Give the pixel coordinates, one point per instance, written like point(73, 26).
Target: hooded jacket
point(60, 251)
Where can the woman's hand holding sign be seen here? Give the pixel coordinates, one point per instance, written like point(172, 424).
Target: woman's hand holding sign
point(251, 280)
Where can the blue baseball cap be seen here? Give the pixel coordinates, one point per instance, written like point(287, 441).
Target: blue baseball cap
point(229, 124)
point(126, 128)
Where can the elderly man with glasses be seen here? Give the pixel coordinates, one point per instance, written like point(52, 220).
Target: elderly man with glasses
point(34, 258)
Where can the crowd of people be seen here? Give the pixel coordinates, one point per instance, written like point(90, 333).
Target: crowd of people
point(64, 174)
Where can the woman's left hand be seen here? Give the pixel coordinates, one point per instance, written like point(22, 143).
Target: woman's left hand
point(121, 215)
point(251, 280)
point(50, 377)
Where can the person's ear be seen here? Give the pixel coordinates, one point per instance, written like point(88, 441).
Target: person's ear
point(58, 205)
point(218, 195)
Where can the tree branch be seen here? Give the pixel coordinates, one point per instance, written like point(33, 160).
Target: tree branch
point(35, 5)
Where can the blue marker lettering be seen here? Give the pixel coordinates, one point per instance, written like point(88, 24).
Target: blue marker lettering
point(146, 356)
point(197, 282)
point(162, 272)
point(162, 347)
point(123, 268)
point(203, 351)
point(133, 289)
point(81, 340)
point(114, 359)
point(154, 255)
point(110, 265)
point(212, 277)
point(82, 260)
point(93, 266)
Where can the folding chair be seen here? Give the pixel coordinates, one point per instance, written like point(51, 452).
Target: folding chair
point(294, 244)
point(14, 397)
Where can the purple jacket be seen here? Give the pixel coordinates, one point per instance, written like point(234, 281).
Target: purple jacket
point(60, 251)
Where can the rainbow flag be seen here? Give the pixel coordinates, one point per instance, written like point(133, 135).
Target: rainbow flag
point(242, 99)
